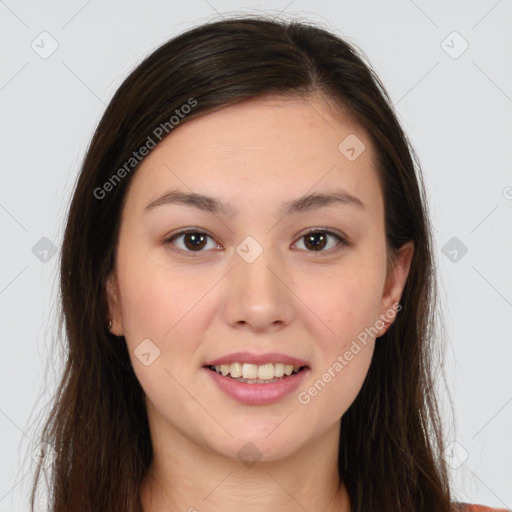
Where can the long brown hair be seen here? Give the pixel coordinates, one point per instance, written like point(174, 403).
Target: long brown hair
point(390, 454)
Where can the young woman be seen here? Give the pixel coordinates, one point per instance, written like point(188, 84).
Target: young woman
point(248, 289)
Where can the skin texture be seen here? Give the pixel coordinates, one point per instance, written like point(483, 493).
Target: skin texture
point(198, 306)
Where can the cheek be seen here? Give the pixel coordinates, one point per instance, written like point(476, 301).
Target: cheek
point(347, 300)
point(161, 306)
point(342, 300)
point(340, 384)
point(336, 382)
point(170, 306)
point(159, 299)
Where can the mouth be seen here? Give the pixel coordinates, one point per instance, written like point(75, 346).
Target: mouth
point(257, 379)
point(257, 384)
point(256, 374)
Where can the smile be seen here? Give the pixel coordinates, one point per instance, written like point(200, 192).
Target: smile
point(246, 372)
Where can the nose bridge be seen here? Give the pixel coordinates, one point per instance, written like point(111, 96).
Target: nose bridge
point(257, 294)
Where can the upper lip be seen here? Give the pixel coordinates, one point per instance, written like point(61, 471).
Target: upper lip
point(259, 359)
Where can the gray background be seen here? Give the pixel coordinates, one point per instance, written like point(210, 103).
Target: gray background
point(455, 106)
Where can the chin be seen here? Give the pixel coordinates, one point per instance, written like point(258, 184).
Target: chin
point(255, 445)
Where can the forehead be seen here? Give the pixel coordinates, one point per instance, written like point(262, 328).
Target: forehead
point(261, 150)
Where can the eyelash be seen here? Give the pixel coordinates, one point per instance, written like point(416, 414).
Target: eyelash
point(343, 242)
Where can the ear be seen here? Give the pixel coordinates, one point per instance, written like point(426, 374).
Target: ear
point(395, 283)
point(114, 308)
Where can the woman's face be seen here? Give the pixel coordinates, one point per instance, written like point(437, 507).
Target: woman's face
point(252, 280)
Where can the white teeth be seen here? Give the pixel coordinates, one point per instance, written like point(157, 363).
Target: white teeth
point(250, 371)
point(235, 370)
point(267, 371)
point(279, 369)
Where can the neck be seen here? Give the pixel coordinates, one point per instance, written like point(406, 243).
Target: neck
point(191, 477)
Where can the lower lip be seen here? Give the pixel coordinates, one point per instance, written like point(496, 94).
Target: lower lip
point(257, 394)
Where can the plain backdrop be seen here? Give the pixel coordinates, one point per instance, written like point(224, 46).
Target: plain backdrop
point(448, 69)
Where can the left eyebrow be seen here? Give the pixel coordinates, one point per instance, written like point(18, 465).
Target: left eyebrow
point(302, 204)
point(320, 200)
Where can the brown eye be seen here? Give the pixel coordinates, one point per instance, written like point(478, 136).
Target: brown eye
point(317, 239)
point(193, 241)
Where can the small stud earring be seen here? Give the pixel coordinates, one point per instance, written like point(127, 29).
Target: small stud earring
point(110, 324)
point(387, 323)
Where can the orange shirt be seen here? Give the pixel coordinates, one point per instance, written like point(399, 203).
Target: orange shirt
point(467, 507)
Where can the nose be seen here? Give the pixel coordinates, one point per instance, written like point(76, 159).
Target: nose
point(257, 295)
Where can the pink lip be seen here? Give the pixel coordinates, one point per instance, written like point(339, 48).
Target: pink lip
point(257, 394)
point(248, 357)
